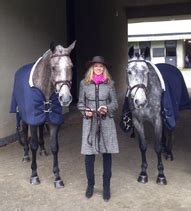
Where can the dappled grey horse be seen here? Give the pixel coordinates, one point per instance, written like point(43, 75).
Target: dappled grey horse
point(40, 91)
point(145, 94)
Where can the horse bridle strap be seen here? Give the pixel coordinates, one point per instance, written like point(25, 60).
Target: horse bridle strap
point(129, 90)
point(137, 60)
point(63, 82)
point(138, 86)
point(58, 55)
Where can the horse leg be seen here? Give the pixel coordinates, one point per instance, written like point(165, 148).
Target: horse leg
point(143, 177)
point(41, 140)
point(47, 127)
point(169, 154)
point(58, 183)
point(34, 147)
point(163, 142)
point(161, 179)
point(167, 143)
point(26, 157)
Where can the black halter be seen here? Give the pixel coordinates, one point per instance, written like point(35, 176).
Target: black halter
point(58, 55)
point(62, 82)
point(137, 87)
point(137, 60)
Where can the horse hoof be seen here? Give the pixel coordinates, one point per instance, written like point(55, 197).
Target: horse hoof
point(26, 158)
point(170, 157)
point(161, 181)
point(34, 180)
point(43, 152)
point(143, 179)
point(58, 184)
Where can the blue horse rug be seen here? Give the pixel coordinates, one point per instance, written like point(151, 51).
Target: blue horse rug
point(174, 99)
point(31, 103)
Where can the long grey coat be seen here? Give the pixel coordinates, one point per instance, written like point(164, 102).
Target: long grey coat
point(97, 139)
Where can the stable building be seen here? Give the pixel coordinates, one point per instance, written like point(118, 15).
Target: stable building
point(169, 41)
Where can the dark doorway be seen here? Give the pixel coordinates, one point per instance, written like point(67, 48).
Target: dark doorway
point(170, 58)
point(71, 36)
point(188, 53)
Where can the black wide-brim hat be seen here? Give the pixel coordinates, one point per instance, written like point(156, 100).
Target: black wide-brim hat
point(97, 59)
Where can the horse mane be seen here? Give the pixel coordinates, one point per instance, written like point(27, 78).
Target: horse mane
point(154, 85)
point(46, 54)
point(42, 73)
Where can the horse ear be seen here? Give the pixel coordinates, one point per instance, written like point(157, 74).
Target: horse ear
point(131, 52)
point(147, 52)
point(52, 46)
point(71, 47)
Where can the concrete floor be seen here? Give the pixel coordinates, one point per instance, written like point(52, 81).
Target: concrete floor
point(17, 194)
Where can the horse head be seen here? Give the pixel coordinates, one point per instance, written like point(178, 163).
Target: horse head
point(54, 71)
point(61, 72)
point(137, 78)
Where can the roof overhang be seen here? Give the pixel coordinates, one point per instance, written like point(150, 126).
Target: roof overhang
point(158, 37)
point(159, 30)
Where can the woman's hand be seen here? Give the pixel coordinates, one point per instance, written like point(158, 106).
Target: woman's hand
point(88, 113)
point(102, 109)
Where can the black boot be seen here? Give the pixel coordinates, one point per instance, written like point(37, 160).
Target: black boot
point(106, 189)
point(89, 191)
point(89, 163)
point(107, 162)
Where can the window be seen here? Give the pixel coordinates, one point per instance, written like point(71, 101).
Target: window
point(171, 51)
point(158, 52)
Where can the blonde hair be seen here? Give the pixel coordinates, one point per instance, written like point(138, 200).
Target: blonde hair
point(89, 75)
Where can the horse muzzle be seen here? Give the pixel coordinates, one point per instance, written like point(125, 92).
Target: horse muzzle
point(140, 103)
point(65, 100)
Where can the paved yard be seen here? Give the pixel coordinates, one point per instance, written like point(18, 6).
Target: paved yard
point(17, 194)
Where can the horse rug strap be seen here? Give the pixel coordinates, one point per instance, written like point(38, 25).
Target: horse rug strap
point(31, 102)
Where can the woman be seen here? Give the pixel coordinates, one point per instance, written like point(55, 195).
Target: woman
point(97, 102)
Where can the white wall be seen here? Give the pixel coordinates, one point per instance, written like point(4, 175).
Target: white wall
point(180, 54)
point(27, 28)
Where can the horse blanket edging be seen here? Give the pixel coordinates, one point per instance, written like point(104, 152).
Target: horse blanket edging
point(31, 103)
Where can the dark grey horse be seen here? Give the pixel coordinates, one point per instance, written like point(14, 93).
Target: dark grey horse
point(156, 93)
point(40, 90)
point(144, 93)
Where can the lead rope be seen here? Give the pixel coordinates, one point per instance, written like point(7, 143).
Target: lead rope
point(97, 117)
point(99, 132)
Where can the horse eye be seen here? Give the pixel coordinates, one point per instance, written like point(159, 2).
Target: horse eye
point(53, 68)
point(129, 72)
